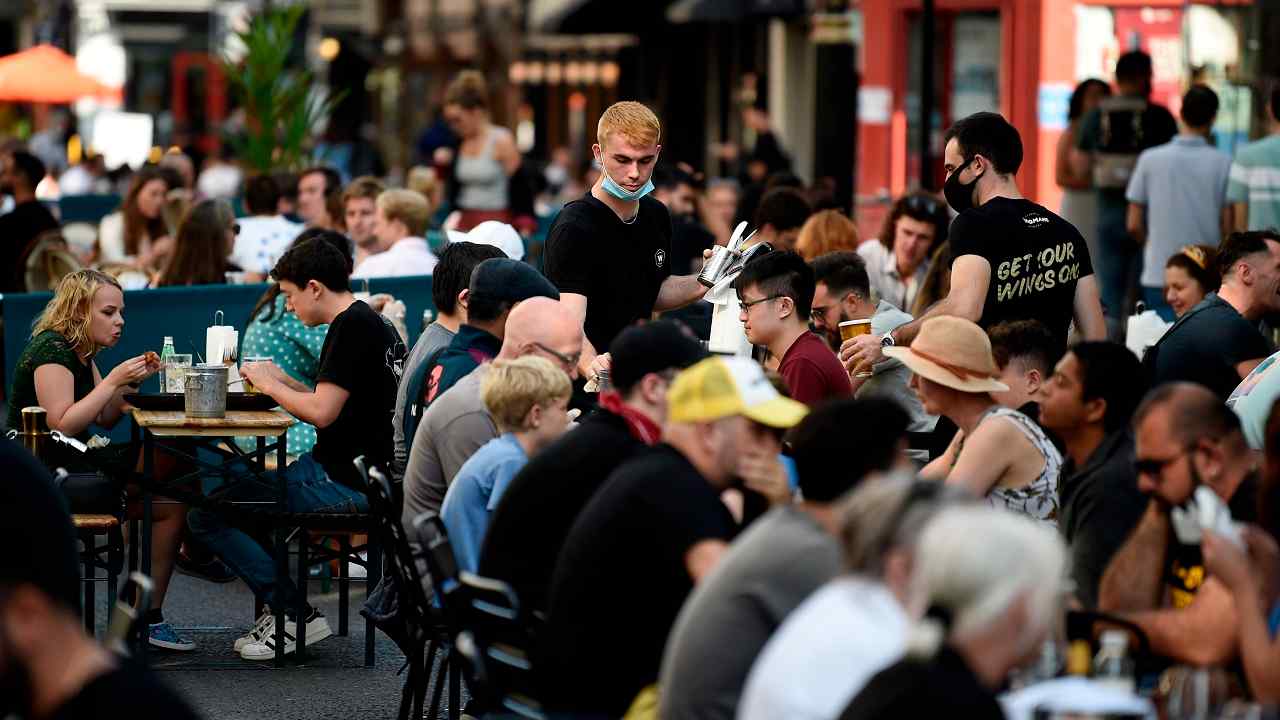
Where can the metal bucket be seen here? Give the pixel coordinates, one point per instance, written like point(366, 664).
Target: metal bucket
point(206, 391)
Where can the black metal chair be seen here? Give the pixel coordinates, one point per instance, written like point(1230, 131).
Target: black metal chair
point(497, 645)
point(421, 624)
point(433, 539)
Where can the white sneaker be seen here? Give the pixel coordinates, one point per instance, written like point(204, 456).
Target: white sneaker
point(317, 629)
point(358, 572)
point(255, 635)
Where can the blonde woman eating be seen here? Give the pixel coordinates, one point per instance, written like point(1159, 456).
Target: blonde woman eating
point(57, 372)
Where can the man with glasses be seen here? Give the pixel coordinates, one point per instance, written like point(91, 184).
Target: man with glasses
point(529, 526)
point(775, 293)
point(497, 286)
point(457, 423)
point(898, 261)
point(1185, 437)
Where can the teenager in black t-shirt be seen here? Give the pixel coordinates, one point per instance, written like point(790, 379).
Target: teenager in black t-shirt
point(655, 528)
point(609, 253)
point(351, 407)
point(1012, 258)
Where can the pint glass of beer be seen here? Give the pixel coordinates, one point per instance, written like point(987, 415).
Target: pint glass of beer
point(850, 329)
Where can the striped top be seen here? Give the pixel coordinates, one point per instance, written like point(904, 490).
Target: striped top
point(1255, 179)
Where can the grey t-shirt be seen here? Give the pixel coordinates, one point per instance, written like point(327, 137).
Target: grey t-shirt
point(891, 379)
point(436, 337)
point(769, 570)
point(451, 431)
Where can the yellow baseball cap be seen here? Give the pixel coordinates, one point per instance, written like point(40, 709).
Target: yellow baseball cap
point(721, 387)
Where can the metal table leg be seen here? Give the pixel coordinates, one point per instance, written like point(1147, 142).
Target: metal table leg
point(148, 477)
point(282, 548)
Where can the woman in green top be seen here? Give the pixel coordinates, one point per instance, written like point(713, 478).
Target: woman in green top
point(56, 371)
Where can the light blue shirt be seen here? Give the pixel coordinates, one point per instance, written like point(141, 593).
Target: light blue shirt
point(1183, 185)
point(475, 492)
point(1253, 398)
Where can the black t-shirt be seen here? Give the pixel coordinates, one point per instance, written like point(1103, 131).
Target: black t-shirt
point(127, 691)
point(1036, 259)
point(1205, 345)
point(942, 687)
point(621, 580)
point(529, 527)
point(618, 266)
point(688, 240)
point(362, 354)
point(18, 229)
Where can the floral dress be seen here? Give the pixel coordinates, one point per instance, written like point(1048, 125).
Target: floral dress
point(1039, 498)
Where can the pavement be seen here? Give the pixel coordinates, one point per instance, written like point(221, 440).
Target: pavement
point(331, 683)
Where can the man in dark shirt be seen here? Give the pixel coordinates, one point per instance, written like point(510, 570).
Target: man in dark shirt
point(531, 522)
point(49, 667)
point(1110, 139)
point(1088, 402)
point(1185, 438)
point(1217, 343)
point(656, 527)
point(497, 285)
point(22, 225)
point(351, 407)
point(609, 253)
point(775, 294)
point(1013, 259)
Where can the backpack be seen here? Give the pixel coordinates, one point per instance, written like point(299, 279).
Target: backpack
point(1120, 140)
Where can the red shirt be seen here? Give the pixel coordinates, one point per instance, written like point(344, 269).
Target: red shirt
point(813, 372)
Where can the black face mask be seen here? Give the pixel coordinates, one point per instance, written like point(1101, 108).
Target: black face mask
point(960, 195)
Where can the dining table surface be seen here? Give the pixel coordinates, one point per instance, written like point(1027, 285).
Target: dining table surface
point(236, 423)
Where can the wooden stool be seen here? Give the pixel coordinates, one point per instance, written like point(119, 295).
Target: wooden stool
point(89, 528)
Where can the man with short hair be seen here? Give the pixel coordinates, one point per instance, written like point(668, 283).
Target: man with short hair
point(777, 562)
point(264, 234)
point(1088, 403)
point(20, 227)
point(655, 529)
point(359, 207)
point(775, 293)
point(1111, 138)
point(1013, 259)
point(609, 252)
point(49, 667)
point(1177, 195)
point(457, 424)
point(842, 292)
point(781, 214)
point(1217, 343)
point(316, 185)
point(449, 296)
point(678, 190)
point(497, 287)
point(399, 227)
point(351, 408)
point(1186, 438)
point(1254, 185)
point(1025, 352)
point(529, 526)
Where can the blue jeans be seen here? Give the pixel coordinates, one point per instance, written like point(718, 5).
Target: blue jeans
point(1153, 298)
point(309, 490)
point(1117, 266)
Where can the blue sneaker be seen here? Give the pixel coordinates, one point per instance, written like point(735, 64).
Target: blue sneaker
point(163, 635)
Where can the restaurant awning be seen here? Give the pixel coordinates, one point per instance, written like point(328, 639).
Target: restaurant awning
point(45, 74)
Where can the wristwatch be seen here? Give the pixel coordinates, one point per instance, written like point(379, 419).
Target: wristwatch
point(887, 340)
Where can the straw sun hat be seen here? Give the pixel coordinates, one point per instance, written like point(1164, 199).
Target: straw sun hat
point(954, 352)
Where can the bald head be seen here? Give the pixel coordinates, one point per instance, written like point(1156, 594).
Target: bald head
point(545, 327)
point(1189, 412)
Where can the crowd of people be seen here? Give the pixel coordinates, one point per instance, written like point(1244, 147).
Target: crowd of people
point(848, 478)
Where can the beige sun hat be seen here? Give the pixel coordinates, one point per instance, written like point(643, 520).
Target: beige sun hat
point(954, 352)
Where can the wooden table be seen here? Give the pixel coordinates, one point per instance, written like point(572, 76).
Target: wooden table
point(154, 427)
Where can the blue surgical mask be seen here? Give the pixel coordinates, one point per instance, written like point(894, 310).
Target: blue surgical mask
point(622, 193)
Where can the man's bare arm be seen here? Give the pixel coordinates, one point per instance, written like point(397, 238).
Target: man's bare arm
point(578, 304)
point(1204, 633)
point(1132, 580)
point(1240, 216)
point(1087, 309)
point(1135, 221)
point(678, 291)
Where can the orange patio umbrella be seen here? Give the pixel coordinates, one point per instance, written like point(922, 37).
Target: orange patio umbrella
point(45, 74)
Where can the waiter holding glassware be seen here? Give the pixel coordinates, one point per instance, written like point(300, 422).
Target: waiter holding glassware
point(609, 252)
